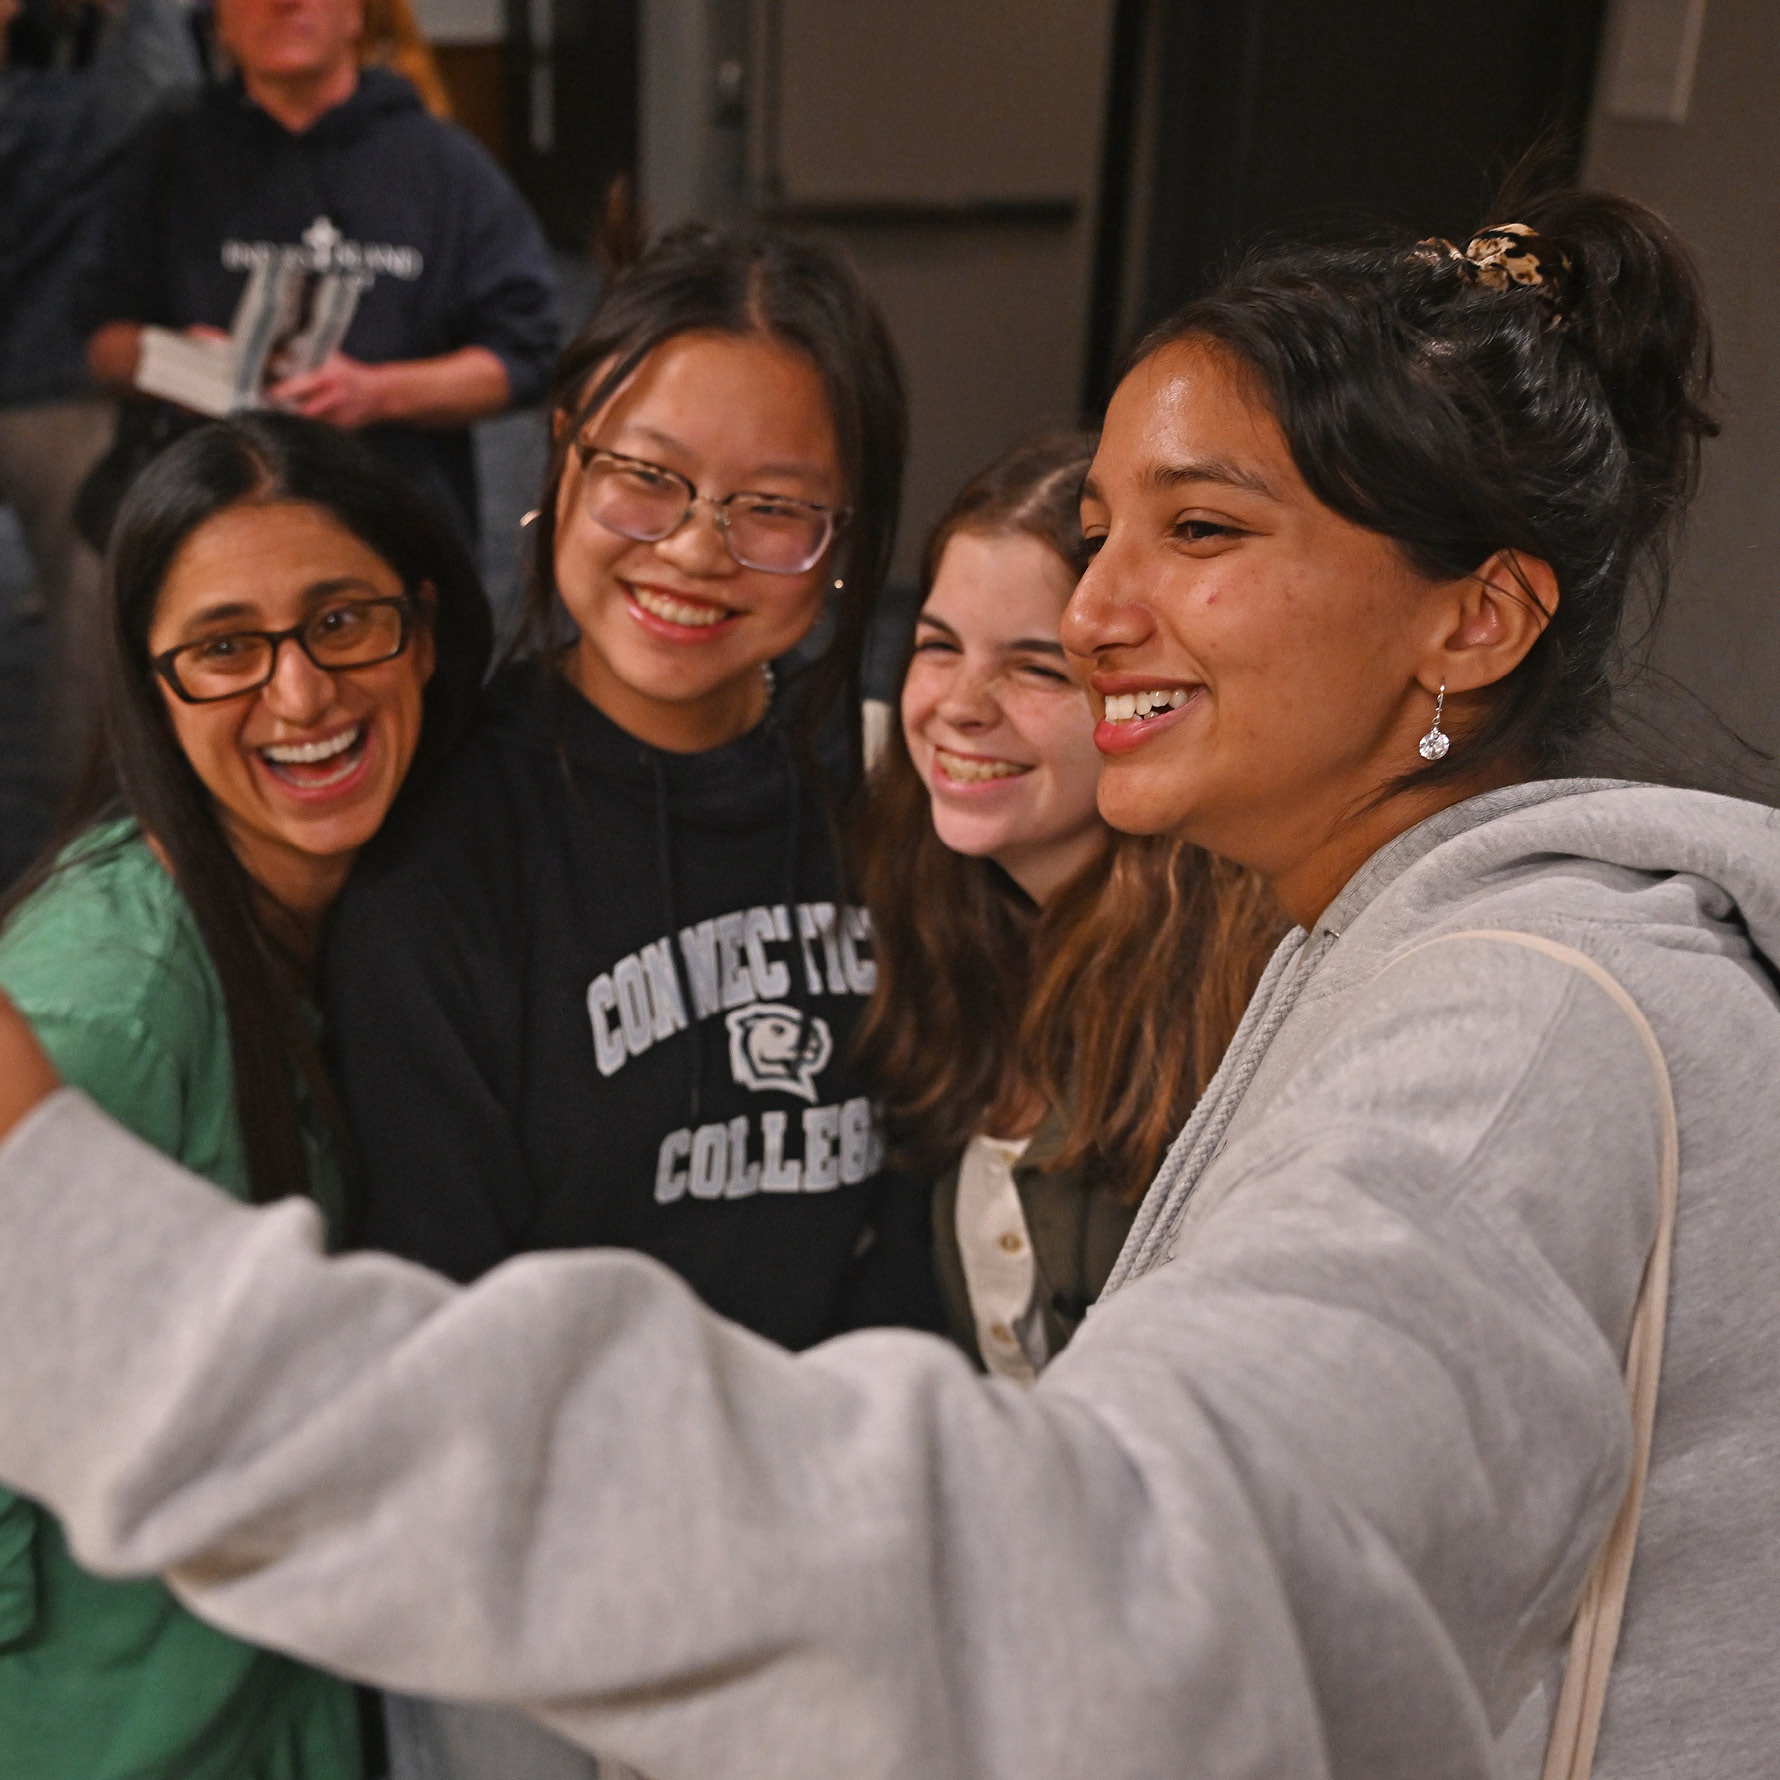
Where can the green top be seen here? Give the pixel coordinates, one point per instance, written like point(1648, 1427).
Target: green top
point(102, 1680)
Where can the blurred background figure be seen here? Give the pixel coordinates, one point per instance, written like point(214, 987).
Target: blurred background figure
point(303, 154)
point(76, 79)
point(297, 157)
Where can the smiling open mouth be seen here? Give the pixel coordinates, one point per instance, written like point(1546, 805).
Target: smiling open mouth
point(697, 614)
point(314, 766)
point(1132, 707)
point(969, 770)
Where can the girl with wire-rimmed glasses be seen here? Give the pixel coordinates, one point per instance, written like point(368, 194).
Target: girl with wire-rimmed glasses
point(602, 989)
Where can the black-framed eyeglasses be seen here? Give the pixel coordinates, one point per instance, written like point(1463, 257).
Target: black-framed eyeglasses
point(648, 502)
point(350, 634)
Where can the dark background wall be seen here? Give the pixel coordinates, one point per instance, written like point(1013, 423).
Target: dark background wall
point(1232, 120)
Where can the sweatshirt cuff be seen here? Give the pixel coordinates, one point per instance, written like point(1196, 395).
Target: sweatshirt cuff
point(528, 378)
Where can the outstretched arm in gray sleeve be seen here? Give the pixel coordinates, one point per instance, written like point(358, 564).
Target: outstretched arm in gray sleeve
point(1311, 1498)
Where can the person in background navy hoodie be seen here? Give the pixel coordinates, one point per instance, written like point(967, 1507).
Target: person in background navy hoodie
point(601, 989)
point(303, 148)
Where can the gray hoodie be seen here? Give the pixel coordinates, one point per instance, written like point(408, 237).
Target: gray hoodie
point(1313, 1497)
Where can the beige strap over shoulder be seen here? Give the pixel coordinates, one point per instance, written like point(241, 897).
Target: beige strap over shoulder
point(1595, 1635)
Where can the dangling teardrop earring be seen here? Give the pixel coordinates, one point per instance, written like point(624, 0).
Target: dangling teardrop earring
point(1434, 744)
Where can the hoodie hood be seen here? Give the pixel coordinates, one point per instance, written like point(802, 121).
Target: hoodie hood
point(1724, 842)
point(379, 97)
point(1599, 865)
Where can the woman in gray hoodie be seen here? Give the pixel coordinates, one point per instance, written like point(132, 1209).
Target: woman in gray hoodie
point(1316, 1489)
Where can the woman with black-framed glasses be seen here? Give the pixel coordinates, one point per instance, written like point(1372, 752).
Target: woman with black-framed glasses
point(163, 952)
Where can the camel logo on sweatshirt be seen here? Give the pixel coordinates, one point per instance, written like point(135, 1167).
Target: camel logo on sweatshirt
point(735, 964)
point(772, 1046)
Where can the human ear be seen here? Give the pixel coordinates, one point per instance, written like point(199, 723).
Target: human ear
point(568, 481)
point(1488, 620)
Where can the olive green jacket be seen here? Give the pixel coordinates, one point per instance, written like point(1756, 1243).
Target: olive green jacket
point(1077, 1225)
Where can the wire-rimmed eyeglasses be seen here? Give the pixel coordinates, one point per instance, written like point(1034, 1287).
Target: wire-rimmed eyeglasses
point(647, 502)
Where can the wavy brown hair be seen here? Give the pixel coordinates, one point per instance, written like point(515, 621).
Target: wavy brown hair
point(392, 39)
point(1115, 1001)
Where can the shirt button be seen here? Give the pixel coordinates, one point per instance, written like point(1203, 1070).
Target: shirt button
point(1002, 1333)
point(1012, 1241)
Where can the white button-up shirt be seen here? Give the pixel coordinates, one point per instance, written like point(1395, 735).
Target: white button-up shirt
point(999, 1271)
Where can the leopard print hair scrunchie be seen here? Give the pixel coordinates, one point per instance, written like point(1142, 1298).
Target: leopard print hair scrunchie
point(1505, 257)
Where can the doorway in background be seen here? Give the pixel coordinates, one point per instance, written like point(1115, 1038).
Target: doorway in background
point(571, 121)
point(1229, 120)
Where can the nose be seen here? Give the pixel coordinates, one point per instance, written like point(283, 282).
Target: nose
point(968, 701)
point(697, 546)
point(1101, 613)
point(299, 692)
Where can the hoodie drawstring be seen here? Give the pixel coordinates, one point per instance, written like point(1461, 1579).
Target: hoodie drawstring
point(1193, 1151)
point(805, 1040)
point(664, 860)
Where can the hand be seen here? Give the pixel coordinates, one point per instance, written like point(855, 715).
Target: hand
point(211, 336)
point(113, 354)
point(26, 1076)
point(340, 390)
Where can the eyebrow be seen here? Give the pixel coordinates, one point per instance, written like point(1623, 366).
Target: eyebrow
point(215, 614)
point(317, 590)
point(1019, 646)
point(808, 472)
point(1220, 470)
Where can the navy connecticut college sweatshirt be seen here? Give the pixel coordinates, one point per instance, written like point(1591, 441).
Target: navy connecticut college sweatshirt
point(446, 251)
point(591, 993)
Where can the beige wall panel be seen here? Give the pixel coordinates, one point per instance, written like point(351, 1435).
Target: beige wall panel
point(1716, 176)
point(990, 324)
point(939, 101)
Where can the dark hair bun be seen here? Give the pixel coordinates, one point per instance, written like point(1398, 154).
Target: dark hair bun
point(1632, 305)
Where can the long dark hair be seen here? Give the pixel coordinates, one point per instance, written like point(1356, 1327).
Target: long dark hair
point(1561, 420)
point(699, 279)
point(1115, 1002)
point(134, 765)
